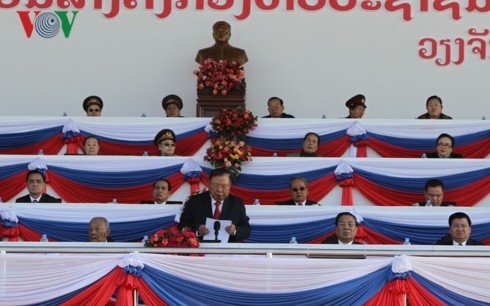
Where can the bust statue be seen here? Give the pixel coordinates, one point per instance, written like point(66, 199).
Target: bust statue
point(222, 50)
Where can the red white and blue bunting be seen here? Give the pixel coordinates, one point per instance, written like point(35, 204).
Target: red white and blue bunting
point(86, 279)
point(133, 136)
point(382, 181)
point(270, 224)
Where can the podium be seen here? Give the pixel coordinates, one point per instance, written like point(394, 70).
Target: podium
point(209, 105)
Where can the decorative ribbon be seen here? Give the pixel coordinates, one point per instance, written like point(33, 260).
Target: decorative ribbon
point(343, 175)
point(192, 174)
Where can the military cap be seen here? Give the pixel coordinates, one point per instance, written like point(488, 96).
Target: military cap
point(356, 101)
point(92, 100)
point(164, 134)
point(172, 99)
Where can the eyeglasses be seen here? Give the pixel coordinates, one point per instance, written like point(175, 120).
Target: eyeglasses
point(447, 145)
point(222, 186)
point(297, 189)
point(459, 226)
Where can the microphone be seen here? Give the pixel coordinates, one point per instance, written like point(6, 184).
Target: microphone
point(216, 226)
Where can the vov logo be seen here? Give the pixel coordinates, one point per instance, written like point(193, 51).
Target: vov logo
point(47, 24)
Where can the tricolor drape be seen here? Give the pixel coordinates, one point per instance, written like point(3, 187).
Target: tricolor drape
point(91, 279)
point(134, 136)
point(117, 136)
point(382, 181)
point(270, 224)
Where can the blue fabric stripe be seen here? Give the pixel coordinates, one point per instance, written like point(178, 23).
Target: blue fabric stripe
point(416, 185)
point(115, 179)
point(19, 140)
point(282, 233)
point(421, 234)
point(11, 170)
point(429, 144)
point(177, 291)
point(120, 231)
point(141, 142)
point(417, 234)
point(447, 296)
point(290, 143)
point(64, 298)
point(280, 181)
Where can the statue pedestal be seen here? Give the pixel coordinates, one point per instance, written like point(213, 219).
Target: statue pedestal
point(209, 105)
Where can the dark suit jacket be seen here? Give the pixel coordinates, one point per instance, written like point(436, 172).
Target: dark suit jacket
point(334, 240)
point(448, 240)
point(153, 202)
point(434, 155)
point(45, 198)
point(198, 208)
point(427, 116)
point(442, 204)
point(284, 115)
point(291, 202)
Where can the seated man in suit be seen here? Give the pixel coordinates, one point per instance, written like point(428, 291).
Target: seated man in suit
point(345, 230)
point(434, 194)
point(299, 192)
point(444, 148)
point(434, 109)
point(217, 203)
point(459, 231)
point(275, 106)
point(162, 190)
point(99, 230)
point(36, 182)
point(311, 141)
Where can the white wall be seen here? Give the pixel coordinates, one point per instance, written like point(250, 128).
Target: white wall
point(315, 61)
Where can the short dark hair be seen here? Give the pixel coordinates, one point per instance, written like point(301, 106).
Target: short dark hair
point(297, 178)
point(459, 215)
point(312, 133)
point(445, 135)
point(344, 214)
point(90, 137)
point(165, 180)
point(219, 24)
point(432, 97)
point(35, 171)
point(218, 172)
point(434, 183)
point(275, 98)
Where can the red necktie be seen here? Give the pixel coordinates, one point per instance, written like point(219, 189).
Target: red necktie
point(216, 211)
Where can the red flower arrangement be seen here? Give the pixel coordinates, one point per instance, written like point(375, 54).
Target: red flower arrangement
point(219, 77)
point(228, 154)
point(228, 150)
point(234, 123)
point(173, 238)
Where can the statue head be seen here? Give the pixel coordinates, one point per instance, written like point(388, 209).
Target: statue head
point(221, 32)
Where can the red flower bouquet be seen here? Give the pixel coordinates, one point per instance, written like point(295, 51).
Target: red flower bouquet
point(228, 150)
point(234, 123)
point(173, 238)
point(228, 154)
point(219, 77)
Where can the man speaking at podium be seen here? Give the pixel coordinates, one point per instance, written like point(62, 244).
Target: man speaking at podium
point(217, 203)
